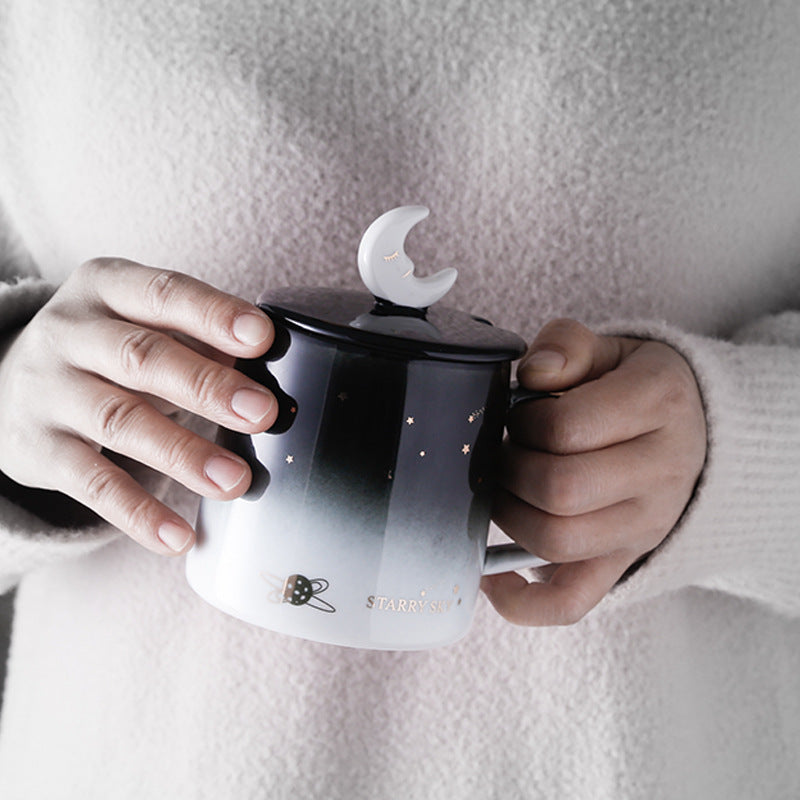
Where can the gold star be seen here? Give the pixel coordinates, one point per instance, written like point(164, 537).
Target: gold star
point(290, 459)
point(475, 414)
point(465, 449)
point(410, 421)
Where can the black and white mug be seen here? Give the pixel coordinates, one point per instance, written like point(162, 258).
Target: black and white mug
point(366, 522)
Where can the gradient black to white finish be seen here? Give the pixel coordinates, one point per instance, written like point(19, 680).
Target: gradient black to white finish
point(374, 484)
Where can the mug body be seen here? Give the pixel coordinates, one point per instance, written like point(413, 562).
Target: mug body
point(367, 518)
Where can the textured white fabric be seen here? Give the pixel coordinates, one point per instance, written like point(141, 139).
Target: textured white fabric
point(634, 165)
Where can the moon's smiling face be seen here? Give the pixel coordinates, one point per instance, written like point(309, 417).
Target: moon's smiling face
point(386, 269)
point(394, 258)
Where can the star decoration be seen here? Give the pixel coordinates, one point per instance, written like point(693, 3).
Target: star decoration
point(465, 449)
point(475, 414)
point(290, 459)
point(409, 420)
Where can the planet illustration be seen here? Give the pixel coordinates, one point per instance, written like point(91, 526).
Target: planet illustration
point(298, 590)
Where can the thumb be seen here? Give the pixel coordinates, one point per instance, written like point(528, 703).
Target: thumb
point(566, 353)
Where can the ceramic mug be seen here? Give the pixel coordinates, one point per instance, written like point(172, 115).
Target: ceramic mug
point(366, 522)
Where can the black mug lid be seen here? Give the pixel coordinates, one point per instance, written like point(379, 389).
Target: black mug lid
point(349, 317)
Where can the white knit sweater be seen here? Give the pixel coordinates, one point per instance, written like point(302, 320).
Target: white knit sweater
point(634, 165)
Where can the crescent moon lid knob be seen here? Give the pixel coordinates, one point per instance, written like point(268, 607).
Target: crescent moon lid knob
point(399, 315)
point(386, 269)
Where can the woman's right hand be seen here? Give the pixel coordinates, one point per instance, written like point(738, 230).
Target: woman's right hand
point(94, 366)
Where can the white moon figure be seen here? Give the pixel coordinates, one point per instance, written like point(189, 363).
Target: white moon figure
point(386, 269)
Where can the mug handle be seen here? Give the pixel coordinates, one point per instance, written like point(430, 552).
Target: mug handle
point(510, 557)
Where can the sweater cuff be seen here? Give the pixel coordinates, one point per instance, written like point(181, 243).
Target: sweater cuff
point(739, 534)
point(20, 300)
point(28, 542)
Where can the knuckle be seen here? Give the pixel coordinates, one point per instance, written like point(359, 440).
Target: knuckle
point(178, 453)
point(564, 328)
point(95, 265)
point(676, 394)
point(138, 348)
point(674, 477)
point(101, 485)
point(563, 488)
point(46, 330)
point(652, 537)
point(133, 512)
point(90, 272)
point(86, 283)
point(85, 272)
point(115, 415)
point(160, 291)
point(559, 545)
point(204, 386)
point(138, 517)
point(218, 313)
point(565, 432)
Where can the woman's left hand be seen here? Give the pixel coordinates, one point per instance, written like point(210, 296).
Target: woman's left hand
point(596, 478)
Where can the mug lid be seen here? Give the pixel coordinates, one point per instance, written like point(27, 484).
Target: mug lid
point(361, 320)
point(399, 316)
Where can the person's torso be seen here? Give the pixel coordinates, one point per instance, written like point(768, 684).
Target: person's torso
point(582, 159)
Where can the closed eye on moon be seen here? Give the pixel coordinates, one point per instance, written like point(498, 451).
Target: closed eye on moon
point(381, 273)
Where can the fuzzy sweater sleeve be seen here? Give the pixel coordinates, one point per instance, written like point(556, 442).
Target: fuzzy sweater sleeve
point(740, 533)
point(36, 526)
point(22, 291)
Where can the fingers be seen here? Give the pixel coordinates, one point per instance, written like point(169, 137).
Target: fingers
point(568, 485)
point(577, 507)
point(637, 397)
point(571, 592)
point(129, 425)
point(82, 375)
point(174, 301)
point(566, 353)
point(597, 477)
point(151, 362)
point(109, 491)
point(562, 540)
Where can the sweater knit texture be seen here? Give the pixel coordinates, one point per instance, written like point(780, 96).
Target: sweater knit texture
point(633, 165)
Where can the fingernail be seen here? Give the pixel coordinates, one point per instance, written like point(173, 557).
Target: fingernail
point(251, 329)
point(174, 536)
point(548, 361)
point(224, 471)
point(251, 404)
